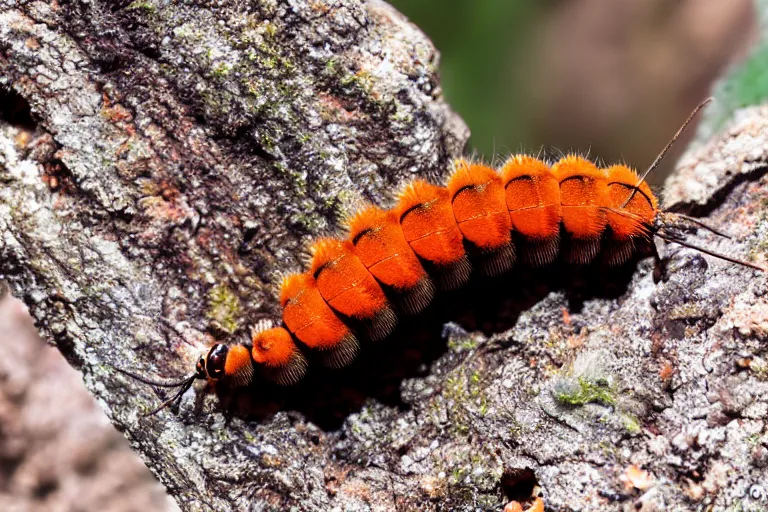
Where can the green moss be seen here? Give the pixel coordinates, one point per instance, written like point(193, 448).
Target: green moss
point(332, 66)
point(223, 309)
point(142, 5)
point(458, 474)
point(759, 367)
point(465, 398)
point(269, 62)
point(745, 84)
point(221, 69)
point(270, 30)
point(585, 392)
point(457, 344)
point(631, 423)
point(362, 79)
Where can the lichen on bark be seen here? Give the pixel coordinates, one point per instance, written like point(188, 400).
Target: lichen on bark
point(182, 155)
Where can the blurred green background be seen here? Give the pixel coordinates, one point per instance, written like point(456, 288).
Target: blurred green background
point(610, 78)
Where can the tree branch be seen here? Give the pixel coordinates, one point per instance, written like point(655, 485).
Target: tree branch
point(181, 155)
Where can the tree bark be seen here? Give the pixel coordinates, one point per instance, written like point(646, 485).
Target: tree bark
point(178, 157)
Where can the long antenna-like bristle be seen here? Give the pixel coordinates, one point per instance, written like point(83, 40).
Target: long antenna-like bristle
point(145, 380)
point(177, 396)
point(656, 162)
point(675, 240)
point(702, 224)
point(183, 386)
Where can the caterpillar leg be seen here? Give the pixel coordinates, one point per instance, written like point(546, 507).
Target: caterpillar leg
point(539, 253)
point(617, 252)
point(581, 251)
point(340, 355)
point(414, 300)
point(381, 325)
point(289, 373)
point(452, 276)
point(498, 261)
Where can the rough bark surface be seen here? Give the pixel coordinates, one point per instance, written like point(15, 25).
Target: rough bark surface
point(179, 155)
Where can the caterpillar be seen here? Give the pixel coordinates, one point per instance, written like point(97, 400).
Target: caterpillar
point(393, 261)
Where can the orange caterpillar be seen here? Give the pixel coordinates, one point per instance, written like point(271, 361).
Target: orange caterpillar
point(393, 261)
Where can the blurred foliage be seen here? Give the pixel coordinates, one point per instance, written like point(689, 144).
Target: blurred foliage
point(744, 85)
point(479, 41)
point(613, 79)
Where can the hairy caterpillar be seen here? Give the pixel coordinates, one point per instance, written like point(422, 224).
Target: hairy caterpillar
point(392, 262)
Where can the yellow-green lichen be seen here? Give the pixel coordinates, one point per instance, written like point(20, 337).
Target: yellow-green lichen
point(142, 5)
point(585, 391)
point(223, 309)
point(463, 394)
point(221, 69)
point(461, 343)
point(631, 423)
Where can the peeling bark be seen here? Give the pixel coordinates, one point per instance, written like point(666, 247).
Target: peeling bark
point(179, 156)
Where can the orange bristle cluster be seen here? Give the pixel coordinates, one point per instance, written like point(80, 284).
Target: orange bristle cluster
point(238, 368)
point(278, 355)
point(392, 260)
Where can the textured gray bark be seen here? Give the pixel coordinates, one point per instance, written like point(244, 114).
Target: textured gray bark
point(183, 155)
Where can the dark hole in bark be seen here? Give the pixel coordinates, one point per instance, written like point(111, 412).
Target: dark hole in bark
point(45, 488)
point(15, 110)
point(518, 484)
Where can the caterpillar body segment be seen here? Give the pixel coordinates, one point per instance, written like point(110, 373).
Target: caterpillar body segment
point(349, 289)
point(426, 217)
point(381, 246)
point(480, 209)
point(278, 356)
point(532, 195)
point(312, 321)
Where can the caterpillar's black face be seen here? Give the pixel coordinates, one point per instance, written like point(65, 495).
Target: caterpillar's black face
point(214, 363)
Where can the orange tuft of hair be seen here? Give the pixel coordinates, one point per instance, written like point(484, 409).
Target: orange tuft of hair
point(428, 224)
point(308, 316)
point(583, 195)
point(533, 197)
point(381, 246)
point(273, 347)
point(343, 280)
point(238, 368)
point(237, 357)
point(479, 205)
point(634, 219)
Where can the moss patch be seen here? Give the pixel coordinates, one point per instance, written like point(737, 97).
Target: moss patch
point(585, 391)
point(223, 309)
